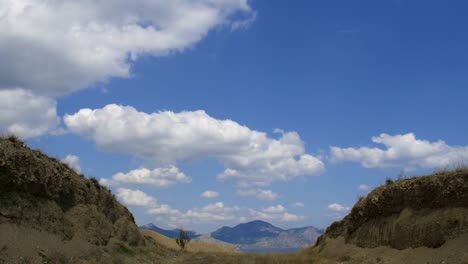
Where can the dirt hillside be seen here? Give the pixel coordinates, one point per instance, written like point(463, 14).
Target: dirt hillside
point(46, 207)
point(421, 214)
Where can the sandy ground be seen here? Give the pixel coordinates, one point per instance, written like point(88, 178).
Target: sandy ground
point(21, 243)
point(454, 251)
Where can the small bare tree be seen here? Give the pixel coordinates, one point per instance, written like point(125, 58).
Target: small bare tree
point(183, 239)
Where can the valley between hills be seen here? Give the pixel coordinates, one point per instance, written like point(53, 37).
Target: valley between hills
point(255, 236)
point(51, 214)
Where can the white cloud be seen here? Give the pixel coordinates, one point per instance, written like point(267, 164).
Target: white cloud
point(160, 177)
point(288, 217)
point(73, 162)
point(298, 204)
point(364, 187)
point(219, 212)
point(108, 183)
point(335, 215)
point(56, 47)
point(403, 151)
point(274, 214)
point(209, 194)
point(26, 114)
point(163, 209)
point(243, 24)
point(275, 209)
point(338, 207)
point(135, 198)
point(249, 156)
point(265, 195)
point(212, 213)
point(53, 48)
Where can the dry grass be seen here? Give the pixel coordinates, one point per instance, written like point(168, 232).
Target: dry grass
point(198, 252)
point(192, 247)
point(272, 258)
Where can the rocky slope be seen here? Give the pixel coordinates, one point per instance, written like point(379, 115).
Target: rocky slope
point(247, 233)
point(46, 207)
point(427, 213)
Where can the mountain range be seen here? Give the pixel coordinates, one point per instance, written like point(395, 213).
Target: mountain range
point(173, 233)
point(254, 236)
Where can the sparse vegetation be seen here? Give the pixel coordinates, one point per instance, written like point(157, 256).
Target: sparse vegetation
point(14, 139)
point(461, 166)
point(360, 198)
point(194, 246)
point(389, 181)
point(405, 207)
point(183, 239)
point(240, 258)
point(345, 258)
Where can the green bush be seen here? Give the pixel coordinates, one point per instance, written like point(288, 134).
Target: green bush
point(183, 239)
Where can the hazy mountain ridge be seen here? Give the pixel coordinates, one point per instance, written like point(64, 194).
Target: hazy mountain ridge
point(247, 233)
point(292, 238)
point(262, 235)
point(253, 235)
point(173, 233)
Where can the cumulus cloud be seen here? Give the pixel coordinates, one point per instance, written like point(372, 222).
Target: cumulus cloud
point(250, 157)
point(298, 204)
point(338, 207)
point(276, 213)
point(163, 209)
point(56, 47)
point(219, 212)
point(364, 187)
point(209, 213)
point(108, 183)
point(26, 114)
point(275, 209)
point(160, 177)
point(260, 194)
point(209, 194)
point(403, 151)
point(288, 217)
point(73, 162)
point(53, 48)
point(135, 198)
point(212, 213)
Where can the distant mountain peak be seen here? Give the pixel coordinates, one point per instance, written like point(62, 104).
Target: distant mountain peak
point(257, 223)
point(256, 234)
point(149, 225)
point(260, 234)
point(169, 233)
point(247, 233)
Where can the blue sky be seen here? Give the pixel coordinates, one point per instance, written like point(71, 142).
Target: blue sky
point(327, 73)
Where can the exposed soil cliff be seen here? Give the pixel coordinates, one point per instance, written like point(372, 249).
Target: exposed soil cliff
point(43, 198)
point(423, 211)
